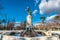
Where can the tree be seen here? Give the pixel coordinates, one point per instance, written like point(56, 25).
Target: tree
point(23, 24)
point(43, 19)
point(10, 24)
point(57, 18)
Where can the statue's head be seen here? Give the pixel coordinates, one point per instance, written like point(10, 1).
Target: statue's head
point(28, 10)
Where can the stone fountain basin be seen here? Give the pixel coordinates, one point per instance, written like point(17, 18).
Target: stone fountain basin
point(16, 36)
point(8, 37)
point(38, 34)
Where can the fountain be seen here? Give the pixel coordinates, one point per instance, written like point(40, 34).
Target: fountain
point(29, 32)
point(29, 29)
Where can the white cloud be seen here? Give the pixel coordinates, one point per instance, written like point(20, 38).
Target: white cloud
point(34, 12)
point(50, 17)
point(36, 2)
point(48, 7)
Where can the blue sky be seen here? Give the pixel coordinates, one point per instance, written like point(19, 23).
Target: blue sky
point(16, 9)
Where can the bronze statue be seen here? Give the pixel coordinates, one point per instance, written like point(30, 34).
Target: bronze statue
point(28, 10)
